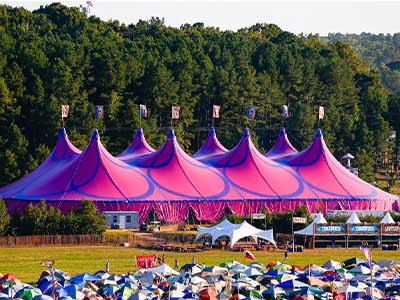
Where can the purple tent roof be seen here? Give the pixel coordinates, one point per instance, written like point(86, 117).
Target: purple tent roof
point(95, 174)
point(181, 177)
point(138, 147)
point(282, 147)
point(255, 176)
point(63, 153)
point(210, 147)
point(328, 178)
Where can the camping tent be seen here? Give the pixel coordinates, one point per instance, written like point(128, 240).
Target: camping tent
point(235, 232)
point(309, 230)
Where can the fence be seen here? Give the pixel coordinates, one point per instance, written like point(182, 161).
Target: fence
point(49, 240)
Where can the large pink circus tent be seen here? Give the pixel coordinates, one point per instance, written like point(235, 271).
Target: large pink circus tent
point(138, 147)
point(63, 153)
point(185, 183)
point(210, 147)
point(331, 182)
point(96, 175)
point(171, 183)
point(282, 148)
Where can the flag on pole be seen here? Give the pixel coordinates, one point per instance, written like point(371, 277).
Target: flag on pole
point(285, 112)
point(249, 255)
point(216, 109)
point(64, 110)
point(143, 111)
point(89, 3)
point(175, 111)
point(99, 112)
point(367, 253)
point(251, 112)
point(321, 112)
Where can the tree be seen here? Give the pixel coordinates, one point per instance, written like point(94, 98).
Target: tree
point(4, 218)
point(86, 219)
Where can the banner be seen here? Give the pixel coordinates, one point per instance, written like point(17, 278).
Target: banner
point(285, 112)
point(144, 262)
point(99, 112)
point(175, 111)
point(64, 110)
point(321, 112)
point(298, 220)
point(216, 109)
point(143, 110)
point(251, 112)
point(89, 3)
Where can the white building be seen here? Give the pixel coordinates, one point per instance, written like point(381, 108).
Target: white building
point(122, 219)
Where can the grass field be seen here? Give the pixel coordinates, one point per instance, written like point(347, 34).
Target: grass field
point(25, 262)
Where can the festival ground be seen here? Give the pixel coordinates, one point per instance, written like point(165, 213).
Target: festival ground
point(25, 262)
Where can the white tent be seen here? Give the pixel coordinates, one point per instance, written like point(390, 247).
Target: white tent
point(353, 219)
point(387, 219)
point(309, 230)
point(235, 232)
point(163, 269)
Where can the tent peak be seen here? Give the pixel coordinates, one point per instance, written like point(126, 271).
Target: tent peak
point(246, 133)
point(139, 132)
point(95, 135)
point(212, 132)
point(171, 134)
point(318, 134)
point(62, 132)
point(282, 131)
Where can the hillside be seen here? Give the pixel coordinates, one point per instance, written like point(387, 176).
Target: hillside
point(56, 55)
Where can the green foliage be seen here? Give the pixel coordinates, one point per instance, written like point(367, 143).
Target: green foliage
point(47, 220)
point(4, 218)
point(57, 55)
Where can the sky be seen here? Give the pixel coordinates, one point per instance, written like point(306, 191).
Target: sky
point(317, 17)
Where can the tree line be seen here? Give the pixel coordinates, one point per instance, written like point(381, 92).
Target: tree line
point(40, 219)
point(57, 55)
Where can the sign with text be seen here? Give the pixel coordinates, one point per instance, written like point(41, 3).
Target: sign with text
point(330, 229)
point(390, 229)
point(364, 229)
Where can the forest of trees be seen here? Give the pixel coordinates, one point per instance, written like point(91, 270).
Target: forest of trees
point(57, 55)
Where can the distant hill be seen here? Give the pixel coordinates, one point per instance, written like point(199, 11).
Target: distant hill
point(380, 51)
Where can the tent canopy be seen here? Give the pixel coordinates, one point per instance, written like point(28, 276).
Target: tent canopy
point(282, 147)
point(353, 219)
point(139, 146)
point(387, 219)
point(210, 147)
point(309, 230)
point(235, 232)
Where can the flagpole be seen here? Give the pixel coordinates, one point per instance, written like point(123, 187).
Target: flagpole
point(140, 117)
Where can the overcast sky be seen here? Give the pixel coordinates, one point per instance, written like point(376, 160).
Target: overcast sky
point(296, 16)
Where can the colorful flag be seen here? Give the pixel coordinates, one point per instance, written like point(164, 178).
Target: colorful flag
point(285, 112)
point(367, 253)
point(175, 111)
point(64, 110)
point(99, 112)
point(251, 112)
point(321, 112)
point(89, 3)
point(144, 262)
point(143, 110)
point(216, 109)
point(249, 255)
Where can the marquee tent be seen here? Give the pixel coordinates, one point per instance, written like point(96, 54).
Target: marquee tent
point(171, 183)
point(138, 147)
point(210, 147)
point(63, 153)
point(309, 230)
point(282, 147)
point(235, 232)
point(387, 219)
point(353, 219)
point(95, 174)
